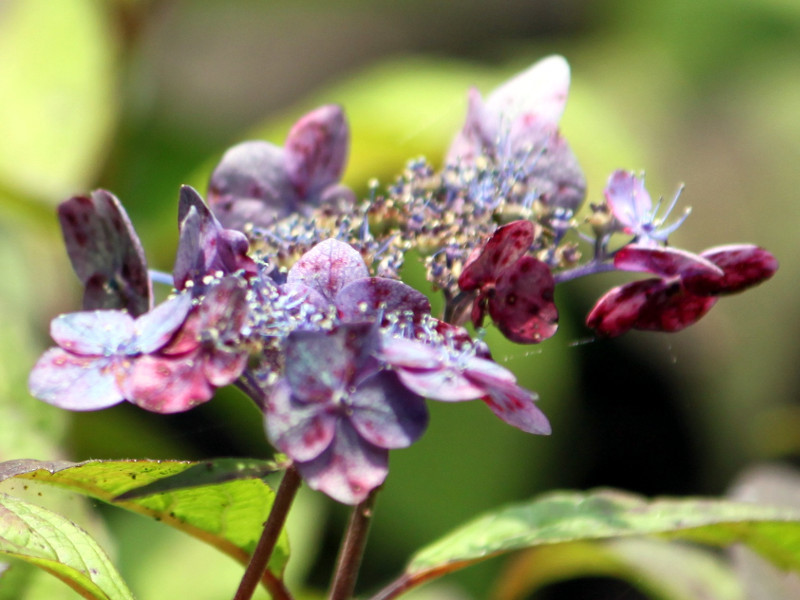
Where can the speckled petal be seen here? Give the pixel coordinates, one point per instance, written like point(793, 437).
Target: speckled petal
point(167, 385)
point(154, 329)
point(505, 247)
point(515, 406)
point(744, 266)
point(74, 382)
point(664, 262)
point(366, 298)
point(349, 469)
point(617, 311)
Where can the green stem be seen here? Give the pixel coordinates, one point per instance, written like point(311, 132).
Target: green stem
point(352, 550)
point(269, 537)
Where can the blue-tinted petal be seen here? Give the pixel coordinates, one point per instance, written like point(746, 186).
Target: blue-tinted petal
point(349, 469)
point(98, 332)
point(366, 298)
point(74, 382)
point(301, 430)
point(328, 267)
point(386, 413)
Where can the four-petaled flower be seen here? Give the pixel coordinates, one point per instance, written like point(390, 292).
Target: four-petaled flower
point(515, 288)
point(687, 286)
point(336, 412)
point(634, 212)
point(257, 183)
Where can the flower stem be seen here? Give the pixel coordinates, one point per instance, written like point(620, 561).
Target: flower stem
point(352, 550)
point(272, 529)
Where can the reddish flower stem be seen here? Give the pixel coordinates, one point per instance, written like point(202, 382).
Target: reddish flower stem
point(352, 550)
point(269, 537)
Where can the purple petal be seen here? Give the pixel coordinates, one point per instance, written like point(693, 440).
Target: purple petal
point(205, 247)
point(743, 266)
point(386, 413)
point(167, 385)
point(479, 134)
point(320, 364)
point(557, 176)
point(307, 295)
point(316, 150)
point(301, 430)
point(664, 262)
point(154, 329)
point(628, 199)
point(250, 186)
point(223, 367)
point(522, 306)
point(349, 469)
point(99, 332)
point(74, 382)
point(365, 298)
point(328, 267)
point(505, 247)
point(402, 352)
point(105, 253)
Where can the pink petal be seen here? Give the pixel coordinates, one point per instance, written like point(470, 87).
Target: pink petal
point(665, 262)
point(617, 311)
point(628, 199)
point(672, 308)
point(316, 150)
point(522, 306)
point(515, 406)
point(155, 328)
point(479, 134)
point(744, 266)
point(98, 332)
point(328, 267)
point(505, 246)
point(167, 385)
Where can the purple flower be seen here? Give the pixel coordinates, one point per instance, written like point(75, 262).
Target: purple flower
point(515, 288)
point(257, 183)
point(633, 209)
point(96, 351)
point(205, 247)
point(105, 253)
point(687, 286)
point(336, 413)
point(520, 120)
point(455, 373)
point(334, 274)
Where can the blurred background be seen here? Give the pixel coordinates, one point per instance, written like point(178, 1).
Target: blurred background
point(141, 96)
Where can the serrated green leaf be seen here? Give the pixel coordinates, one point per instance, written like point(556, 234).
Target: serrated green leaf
point(603, 514)
point(51, 542)
point(228, 514)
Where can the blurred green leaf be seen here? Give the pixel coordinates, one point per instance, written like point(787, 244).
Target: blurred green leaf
point(228, 515)
point(565, 517)
point(56, 73)
point(693, 572)
point(48, 540)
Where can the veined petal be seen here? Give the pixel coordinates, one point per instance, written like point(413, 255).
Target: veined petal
point(628, 199)
point(349, 469)
point(386, 413)
point(167, 385)
point(506, 245)
point(328, 267)
point(365, 298)
point(74, 382)
point(301, 430)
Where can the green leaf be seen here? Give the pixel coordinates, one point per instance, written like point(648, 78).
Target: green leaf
point(574, 516)
point(48, 540)
point(56, 73)
point(222, 502)
point(694, 572)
